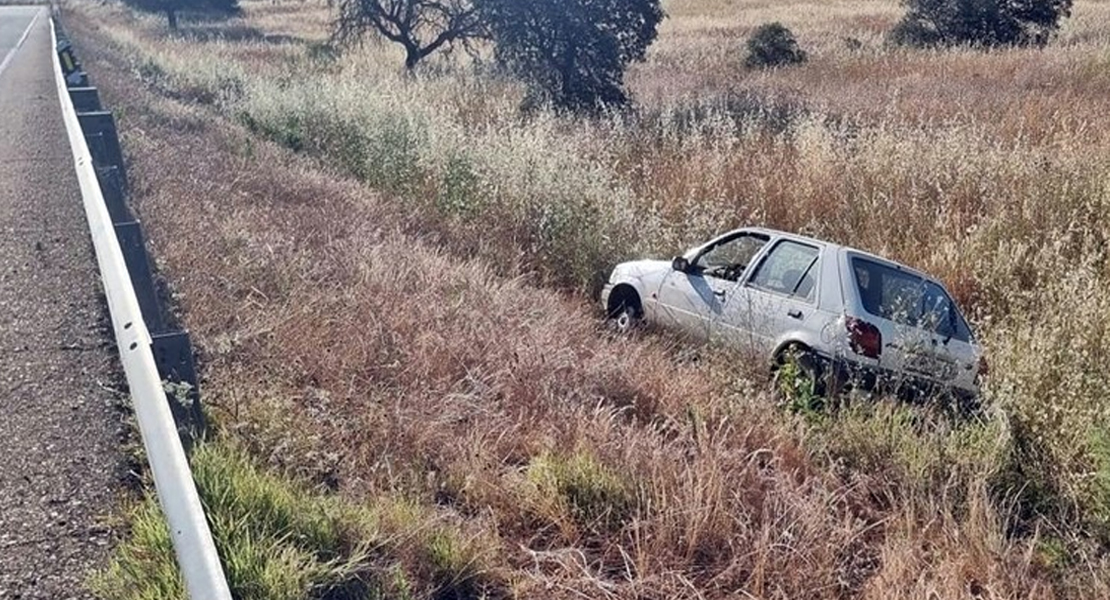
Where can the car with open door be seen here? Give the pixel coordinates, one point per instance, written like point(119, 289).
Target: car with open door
point(848, 318)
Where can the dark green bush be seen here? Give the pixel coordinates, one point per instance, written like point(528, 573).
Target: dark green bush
point(913, 32)
point(189, 8)
point(773, 45)
point(986, 23)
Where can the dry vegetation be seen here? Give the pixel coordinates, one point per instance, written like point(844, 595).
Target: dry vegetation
point(395, 315)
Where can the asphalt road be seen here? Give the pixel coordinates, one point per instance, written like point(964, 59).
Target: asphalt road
point(61, 464)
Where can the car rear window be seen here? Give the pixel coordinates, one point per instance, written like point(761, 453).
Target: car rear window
point(907, 299)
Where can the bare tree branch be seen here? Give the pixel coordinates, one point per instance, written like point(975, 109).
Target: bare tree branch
point(420, 26)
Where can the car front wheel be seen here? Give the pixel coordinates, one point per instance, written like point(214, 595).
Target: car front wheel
point(625, 320)
point(625, 314)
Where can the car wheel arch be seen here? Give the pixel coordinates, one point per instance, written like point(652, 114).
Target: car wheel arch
point(624, 293)
point(784, 349)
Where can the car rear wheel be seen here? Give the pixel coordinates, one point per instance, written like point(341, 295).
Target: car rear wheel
point(800, 375)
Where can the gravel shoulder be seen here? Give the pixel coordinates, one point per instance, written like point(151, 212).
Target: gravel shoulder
point(62, 465)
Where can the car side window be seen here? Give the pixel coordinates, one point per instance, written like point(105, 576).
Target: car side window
point(790, 268)
point(729, 259)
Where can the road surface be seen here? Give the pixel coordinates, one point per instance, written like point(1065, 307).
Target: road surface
point(61, 465)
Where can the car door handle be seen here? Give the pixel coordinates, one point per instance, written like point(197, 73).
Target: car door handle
point(719, 293)
point(794, 313)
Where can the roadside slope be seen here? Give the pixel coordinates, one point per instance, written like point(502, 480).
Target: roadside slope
point(345, 349)
point(60, 458)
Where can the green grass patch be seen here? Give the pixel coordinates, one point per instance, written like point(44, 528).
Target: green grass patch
point(916, 448)
point(577, 491)
point(282, 541)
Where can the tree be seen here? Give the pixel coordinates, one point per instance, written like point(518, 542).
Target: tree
point(421, 26)
point(172, 8)
point(773, 45)
point(980, 22)
point(572, 52)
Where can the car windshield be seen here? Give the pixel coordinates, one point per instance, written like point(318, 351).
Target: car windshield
point(907, 299)
point(730, 257)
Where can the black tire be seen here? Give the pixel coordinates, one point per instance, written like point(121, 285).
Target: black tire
point(814, 372)
point(810, 366)
point(625, 314)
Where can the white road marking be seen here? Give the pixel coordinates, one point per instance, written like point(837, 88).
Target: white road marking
point(22, 38)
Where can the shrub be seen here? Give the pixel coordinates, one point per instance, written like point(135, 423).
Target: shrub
point(173, 8)
point(980, 22)
point(773, 45)
point(275, 540)
point(381, 149)
point(913, 32)
point(460, 188)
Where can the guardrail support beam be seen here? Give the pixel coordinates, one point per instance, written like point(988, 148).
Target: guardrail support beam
point(112, 187)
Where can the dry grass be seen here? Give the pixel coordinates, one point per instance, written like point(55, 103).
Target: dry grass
point(381, 321)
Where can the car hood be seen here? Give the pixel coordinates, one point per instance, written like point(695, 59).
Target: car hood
point(640, 268)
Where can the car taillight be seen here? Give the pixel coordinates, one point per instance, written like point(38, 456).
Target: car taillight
point(864, 338)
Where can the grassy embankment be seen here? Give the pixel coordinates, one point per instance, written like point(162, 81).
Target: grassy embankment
point(379, 325)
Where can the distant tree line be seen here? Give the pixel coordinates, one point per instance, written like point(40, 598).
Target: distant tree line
point(573, 53)
point(929, 23)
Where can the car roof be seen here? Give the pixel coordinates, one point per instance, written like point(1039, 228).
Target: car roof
point(835, 247)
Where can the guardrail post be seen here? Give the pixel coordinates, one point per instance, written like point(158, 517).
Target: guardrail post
point(130, 237)
point(101, 122)
point(85, 99)
point(173, 353)
point(71, 67)
point(98, 149)
point(112, 187)
point(78, 79)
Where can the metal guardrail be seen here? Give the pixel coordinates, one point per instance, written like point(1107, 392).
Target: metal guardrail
point(192, 540)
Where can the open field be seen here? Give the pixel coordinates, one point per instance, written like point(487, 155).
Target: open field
point(394, 315)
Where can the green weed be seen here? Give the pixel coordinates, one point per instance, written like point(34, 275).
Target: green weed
point(580, 488)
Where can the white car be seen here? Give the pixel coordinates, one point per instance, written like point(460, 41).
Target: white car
point(850, 319)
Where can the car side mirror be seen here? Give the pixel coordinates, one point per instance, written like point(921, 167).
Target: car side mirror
point(680, 264)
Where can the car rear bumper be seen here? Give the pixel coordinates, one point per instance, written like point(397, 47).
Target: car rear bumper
point(848, 376)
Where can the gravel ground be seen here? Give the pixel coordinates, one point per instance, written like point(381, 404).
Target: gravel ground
point(61, 463)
